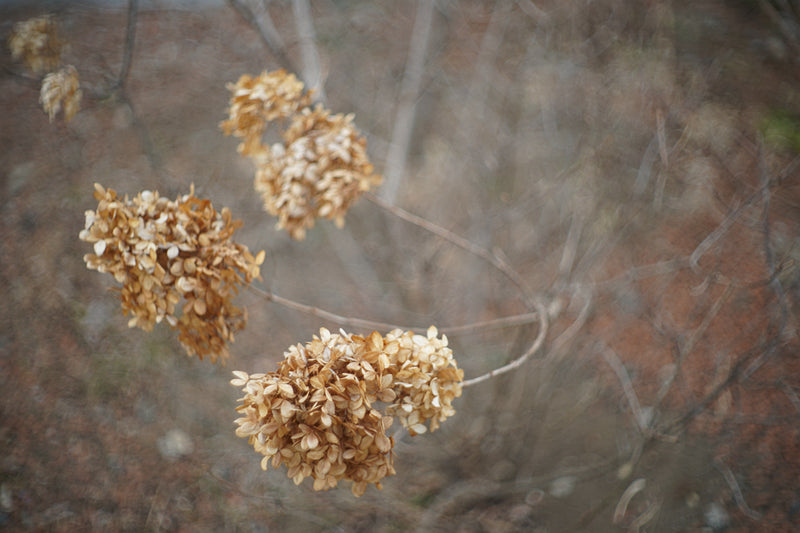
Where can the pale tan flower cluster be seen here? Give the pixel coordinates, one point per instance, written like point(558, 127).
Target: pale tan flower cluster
point(36, 42)
point(166, 252)
point(426, 379)
point(319, 169)
point(61, 88)
point(256, 101)
point(318, 413)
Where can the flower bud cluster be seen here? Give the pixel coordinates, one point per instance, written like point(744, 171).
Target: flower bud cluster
point(165, 253)
point(321, 167)
point(319, 412)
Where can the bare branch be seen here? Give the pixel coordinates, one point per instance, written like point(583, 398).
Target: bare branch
point(312, 74)
point(130, 38)
point(730, 479)
point(630, 393)
point(504, 322)
point(459, 241)
point(516, 363)
point(407, 101)
point(266, 31)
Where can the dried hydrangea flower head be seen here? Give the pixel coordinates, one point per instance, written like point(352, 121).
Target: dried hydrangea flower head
point(319, 171)
point(426, 378)
point(316, 412)
point(36, 42)
point(259, 100)
point(59, 89)
point(163, 252)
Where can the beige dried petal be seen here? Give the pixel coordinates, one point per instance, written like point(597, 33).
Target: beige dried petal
point(61, 89)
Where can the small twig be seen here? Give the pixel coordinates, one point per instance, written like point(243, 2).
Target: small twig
point(534, 347)
point(630, 393)
point(459, 241)
point(790, 394)
point(308, 50)
point(570, 248)
point(576, 325)
point(769, 257)
point(737, 492)
point(503, 322)
point(130, 39)
point(323, 314)
point(715, 235)
point(636, 486)
point(267, 32)
point(407, 100)
point(690, 343)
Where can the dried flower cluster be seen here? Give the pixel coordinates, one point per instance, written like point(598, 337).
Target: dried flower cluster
point(256, 101)
point(318, 412)
point(36, 42)
point(61, 88)
point(319, 169)
point(426, 379)
point(164, 252)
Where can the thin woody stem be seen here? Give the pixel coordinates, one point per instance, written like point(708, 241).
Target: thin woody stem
point(516, 363)
point(459, 241)
point(503, 322)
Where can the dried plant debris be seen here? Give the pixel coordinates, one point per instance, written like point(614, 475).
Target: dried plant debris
point(61, 89)
point(321, 167)
point(319, 412)
point(165, 253)
point(35, 41)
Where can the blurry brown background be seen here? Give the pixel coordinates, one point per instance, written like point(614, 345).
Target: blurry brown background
point(635, 163)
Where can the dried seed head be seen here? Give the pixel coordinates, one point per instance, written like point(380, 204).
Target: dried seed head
point(59, 89)
point(166, 252)
point(36, 42)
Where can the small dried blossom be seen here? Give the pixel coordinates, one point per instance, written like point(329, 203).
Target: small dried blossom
point(36, 42)
point(164, 252)
point(318, 413)
point(426, 378)
point(319, 171)
point(259, 100)
point(61, 88)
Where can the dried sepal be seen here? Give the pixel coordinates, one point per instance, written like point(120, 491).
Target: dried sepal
point(61, 89)
point(176, 262)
